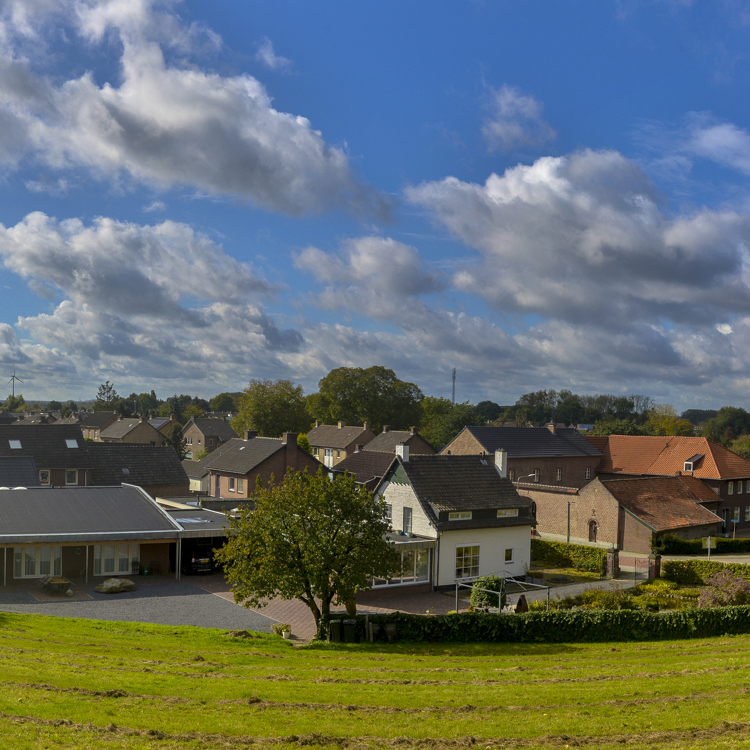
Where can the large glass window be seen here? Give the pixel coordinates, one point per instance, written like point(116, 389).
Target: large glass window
point(415, 568)
point(112, 559)
point(71, 476)
point(35, 562)
point(467, 561)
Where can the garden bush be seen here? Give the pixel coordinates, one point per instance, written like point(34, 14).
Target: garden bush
point(725, 589)
point(566, 626)
point(564, 555)
point(669, 544)
point(485, 599)
point(697, 572)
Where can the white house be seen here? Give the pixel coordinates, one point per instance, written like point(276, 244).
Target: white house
point(455, 518)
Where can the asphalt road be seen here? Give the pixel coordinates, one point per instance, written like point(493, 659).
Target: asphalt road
point(163, 604)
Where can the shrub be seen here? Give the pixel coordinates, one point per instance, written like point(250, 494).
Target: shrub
point(697, 572)
point(725, 589)
point(563, 555)
point(669, 544)
point(647, 602)
point(484, 598)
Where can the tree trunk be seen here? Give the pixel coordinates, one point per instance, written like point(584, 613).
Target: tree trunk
point(351, 606)
point(325, 618)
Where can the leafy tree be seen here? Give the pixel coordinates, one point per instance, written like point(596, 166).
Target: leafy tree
point(70, 406)
point(193, 410)
point(54, 406)
point(612, 426)
point(15, 403)
point(444, 427)
point(663, 420)
point(177, 441)
point(272, 407)
point(304, 443)
point(373, 395)
point(741, 446)
point(222, 402)
point(176, 405)
point(201, 454)
point(106, 397)
point(311, 539)
point(488, 410)
point(730, 422)
point(125, 407)
point(698, 416)
point(148, 403)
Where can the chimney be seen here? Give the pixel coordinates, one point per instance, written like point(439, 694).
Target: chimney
point(341, 423)
point(402, 451)
point(551, 427)
point(365, 425)
point(413, 430)
point(250, 434)
point(289, 439)
point(144, 419)
point(501, 462)
point(318, 423)
point(386, 428)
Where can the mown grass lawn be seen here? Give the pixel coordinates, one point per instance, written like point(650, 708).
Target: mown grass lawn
point(79, 683)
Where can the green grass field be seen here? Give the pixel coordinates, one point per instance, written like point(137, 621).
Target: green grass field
point(88, 684)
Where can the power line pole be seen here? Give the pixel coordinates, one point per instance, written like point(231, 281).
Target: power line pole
point(453, 401)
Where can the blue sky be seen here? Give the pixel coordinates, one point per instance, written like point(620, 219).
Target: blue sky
point(539, 194)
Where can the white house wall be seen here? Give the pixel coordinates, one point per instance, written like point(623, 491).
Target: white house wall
point(492, 545)
point(399, 496)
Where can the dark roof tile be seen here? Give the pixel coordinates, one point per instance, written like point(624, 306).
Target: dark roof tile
point(532, 442)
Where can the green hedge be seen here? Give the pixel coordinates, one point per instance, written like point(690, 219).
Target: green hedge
point(563, 555)
point(695, 572)
point(565, 626)
point(669, 544)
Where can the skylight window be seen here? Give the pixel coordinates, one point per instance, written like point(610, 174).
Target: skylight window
point(71, 442)
point(15, 445)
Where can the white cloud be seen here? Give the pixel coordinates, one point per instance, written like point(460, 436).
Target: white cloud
point(155, 206)
point(269, 58)
point(516, 121)
point(166, 125)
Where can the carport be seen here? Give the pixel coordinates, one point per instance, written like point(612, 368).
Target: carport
point(196, 524)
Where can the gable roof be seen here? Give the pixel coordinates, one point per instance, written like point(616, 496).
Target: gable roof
point(81, 513)
point(454, 483)
point(386, 442)
point(365, 465)
point(123, 427)
point(219, 428)
point(664, 503)
point(96, 418)
point(238, 456)
point(134, 463)
point(658, 455)
point(333, 436)
point(19, 471)
point(194, 469)
point(47, 443)
point(531, 442)
point(158, 422)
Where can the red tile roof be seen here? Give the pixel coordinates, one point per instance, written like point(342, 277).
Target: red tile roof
point(665, 503)
point(666, 456)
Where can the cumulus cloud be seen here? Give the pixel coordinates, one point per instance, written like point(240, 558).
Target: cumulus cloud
point(516, 120)
point(582, 238)
point(269, 58)
point(169, 125)
point(145, 301)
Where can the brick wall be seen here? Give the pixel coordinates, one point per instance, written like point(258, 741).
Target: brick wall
point(464, 444)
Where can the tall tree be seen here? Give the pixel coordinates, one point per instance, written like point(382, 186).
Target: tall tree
point(177, 441)
point(272, 407)
point(731, 422)
point(15, 403)
point(447, 423)
point(311, 539)
point(489, 410)
point(106, 397)
point(373, 395)
point(222, 402)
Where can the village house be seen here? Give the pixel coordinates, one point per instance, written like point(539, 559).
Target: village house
point(388, 441)
point(333, 443)
point(132, 430)
point(92, 424)
point(206, 434)
point(549, 456)
point(367, 467)
point(455, 518)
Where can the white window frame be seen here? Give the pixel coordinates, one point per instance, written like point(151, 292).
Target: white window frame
point(747, 512)
point(389, 512)
point(408, 513)
point(736, 514)
point(42, 473)
point(210, 442)
point(537, 476)
point(730, 488)
point(230, 484)
point(418, 574)
point(460, 515)
point(506, 560)
point(473, 568)
point(19, 561)
point(587, 473)
point(121, 553)
point(558, 475)
point(507, 512)
point(68, 472)
point(240, 484)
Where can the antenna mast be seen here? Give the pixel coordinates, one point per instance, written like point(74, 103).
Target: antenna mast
point(13, 379)
point(454, 387)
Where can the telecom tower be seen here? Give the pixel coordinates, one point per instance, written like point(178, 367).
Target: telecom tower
point(453, 401)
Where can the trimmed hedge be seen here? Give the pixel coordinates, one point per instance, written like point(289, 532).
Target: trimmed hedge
point(695, 572)
point(565, 626)
point(669, 544)
point(564, 555)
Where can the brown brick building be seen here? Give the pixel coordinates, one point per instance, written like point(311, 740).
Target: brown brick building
point(206, 434)
point(388, 439)
point(332, 443)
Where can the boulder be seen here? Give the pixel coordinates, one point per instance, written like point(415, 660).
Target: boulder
point(115, 586)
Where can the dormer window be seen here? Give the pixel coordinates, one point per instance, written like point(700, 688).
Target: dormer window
point(462, 515)
point(691, 462)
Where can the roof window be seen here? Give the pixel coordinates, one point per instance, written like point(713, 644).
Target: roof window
point(126, 472)
point(15, 445)
point(71, 442)
point(690, 463)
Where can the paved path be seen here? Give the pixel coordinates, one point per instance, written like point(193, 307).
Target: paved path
point(170, 603)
